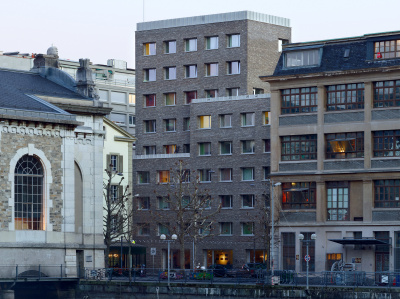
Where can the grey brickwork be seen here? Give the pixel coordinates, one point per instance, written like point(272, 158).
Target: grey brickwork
point(393, 113)
point(297, 120)
point(385, 163)
point(385, 215)
point(343, 117)
point(310, 217)
point(298, 166)
point(344, 165)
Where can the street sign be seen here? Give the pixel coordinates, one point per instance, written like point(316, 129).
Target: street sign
point(153, 251)
point(307, 258)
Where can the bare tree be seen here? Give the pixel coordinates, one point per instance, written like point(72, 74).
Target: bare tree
point(117, 222)
point(184, 208)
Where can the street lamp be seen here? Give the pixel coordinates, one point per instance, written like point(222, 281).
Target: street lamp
point(272, 224)
point(307, 257)
point(163, 237)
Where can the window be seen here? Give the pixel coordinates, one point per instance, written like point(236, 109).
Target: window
point(267, 145)
point(204, 175)
point(345, 145)
point(186, 148)
point(299, 100)
point(149, 75)
point(190, 96)
point(118, 119)
point(233, 67)
point(387, 49)
point(387, 94)
point(204, 148)
point(211, 69)
point(248, 146)
point(143, 203)
point(298, 195)
point(247, 228)
point(289, 251)
point(332, 258)
point(185, 201)
point(170, 99)
point(28, 194)
point(205, 122)
point(266, 172)
point(132, 120)
point(266, 115)
point(225, 120)
point(247, 201)
point(311, 252)
point(247, 174)
point(225, 147)
point(338, 200)
point(258, 91)
point(170, 125)
point(225, 174)
point(116, 224)
point(387, 193)
point(149, 49)
point(233, 40)
point(185, 176)
point(232, 92)
point(143, 229)
point(302, 58)
point(212, 43)
point(191, 44)
point(163, 202)
point(345, 97)
point(226, 201)
point(149, 150)
point(163, 229)
point(206, 229)
point(163, 176)
point(170, 73)
point(118, 97)
point(225, 228)
point(150, 100)
point(170, 47)
point(248, 119)
point(303, 147)
point(143, 177)
point(150, 126)
point(386, 143)
point(115, 162)
point(211, 93)
point(186, 124)
point(114, 193)
point(169, 149)
point(191, 71)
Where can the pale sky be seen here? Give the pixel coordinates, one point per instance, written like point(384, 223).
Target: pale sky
point(101, 29)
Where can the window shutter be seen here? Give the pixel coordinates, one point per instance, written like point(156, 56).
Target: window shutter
point(108, 161)
point(121, 164)
point(120, 192)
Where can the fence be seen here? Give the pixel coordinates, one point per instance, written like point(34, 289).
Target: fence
point(37, 272)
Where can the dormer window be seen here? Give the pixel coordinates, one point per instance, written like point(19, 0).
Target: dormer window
point(387, 49)
point(302, 58)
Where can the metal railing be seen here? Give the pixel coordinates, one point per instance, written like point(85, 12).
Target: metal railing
point(35, 272)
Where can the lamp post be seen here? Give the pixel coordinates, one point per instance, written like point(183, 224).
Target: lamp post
point(272, 224)
point(307, 257)
point(163, 237)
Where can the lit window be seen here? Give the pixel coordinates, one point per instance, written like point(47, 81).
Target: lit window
point(143, 229)
point(299, 147)
point(248, 119)
point(387, 193)
point(211, 93)
point(190, 96)
point(186, 124)
point(150, 126)
point(150, 100)
point(225, 174)
point(387, 94)
point(191, 71)
point(226, 228)
point(233, 40)
point(267, 145)
point(149, 49)
point(266, 115)
point(386, 143)
point(204, 149)
point(143, 203)
point(226, 201)
point(298, 195)
point(149, 150)
point(204, 175)
point(247, 174)
point(225, 120)
point(345, 145)
point(170, 99)
point(233, 67)
point(169, 149)
point(233, 92)
point(149, 75)
point(28, 194)
point(205, 122)
point(211, 42)
point(211, 69)
point(143, 177)
point(163, 176)
point(248, 146)
point(170, 73)
point(387, 49)
point(170, 125)
point(299, 100)
point(225, 147)
point(248, 228)
point(132, 99)
point(170, 47)
point(191, 44)
point(337, 200)
point(345, 97)
point(302, 58)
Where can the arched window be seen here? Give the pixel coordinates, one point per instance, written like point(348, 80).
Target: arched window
point(28, 201)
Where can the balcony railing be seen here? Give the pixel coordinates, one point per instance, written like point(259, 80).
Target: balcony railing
point(162, 156)
point(235, 98)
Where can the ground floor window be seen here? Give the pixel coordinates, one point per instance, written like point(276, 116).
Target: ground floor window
point(288, 249)
point(257, 256)
point(219, 257)
point(331, 258)
point(382, 252)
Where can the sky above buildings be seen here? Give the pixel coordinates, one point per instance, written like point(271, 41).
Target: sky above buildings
point(103, 29)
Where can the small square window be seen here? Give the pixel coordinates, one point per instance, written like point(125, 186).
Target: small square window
point(143, 229)
point(149, 75)
point(170, 73)
point(233, 40)
point(186, 148)
point(149, 49)
point(211, 42)
point(211, 69)
point(191, 44)
point(248, 119)
point(225, 174)
point(170, 99)
point(150, 126)
point(226, 201)
point(225, 120)
point(248, 146)
point(247, 174)
point(204, 148)
point(225, 147)
point(169, 149)
point(233, 67)
point(150, 100)
point(226, 228)
point(204, 175)
point(114, 193)
point(191, 71)
point(170, 47)
point(190, 96)
point(248, 228)
point(232, 92)
point(143, 177)
point(170, 125)
point(211, 93)
point(143, 203)
point(205, 122)
point(163, 229)
point(163, 176)
point(149, 150)
point(247, 201)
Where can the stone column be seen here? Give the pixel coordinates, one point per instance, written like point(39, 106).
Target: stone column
point(320, 128)
point(275, 144)
point(321, 202)
point(368, 104)
point(368, 200)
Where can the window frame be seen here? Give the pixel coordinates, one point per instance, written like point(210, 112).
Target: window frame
point(387, 144)
point(143, 177)
point(384, 51)
point(150, 75)
point(204, 122)
point(189, 99)
point(169, 149)
point(343, 140)
point(208, 45)
point(233, 91)
point(221, 146)
point(247, 201)
point(351, 96)
point(167, 72)
point(190, 71)
point(211, 69)
point(313, 61)
point(386, 94)
point(148, 50)
point(225, 229)
point(149, 99)
point(251, 147)
point(204, 175)
point(149, 150)
point(227, 199)
point(186, 124)
point(204, 147)
point(232, 69)
point(386, 193)
point(211, 93)
point(163, 176)
point(305, 193)
point(143, 203)
point(148, 125)
point(248, 117)
point(299, 147)
point(222, 121)
point(245, 171)
point(299, 100)
point(167, 46)
point(168, 96)
point(223, 172)
point(243, 224)
point(230, 42)
point(338, 193)
point(189, 47)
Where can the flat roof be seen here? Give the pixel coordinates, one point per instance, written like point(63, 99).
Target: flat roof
point(215, 18)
